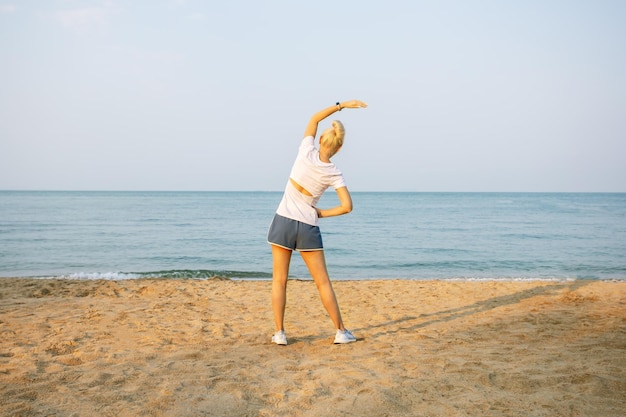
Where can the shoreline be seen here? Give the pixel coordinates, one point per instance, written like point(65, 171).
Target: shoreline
point(120, 277)
point(170, 347)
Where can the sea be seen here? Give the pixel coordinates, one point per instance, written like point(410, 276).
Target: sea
point(389, 235)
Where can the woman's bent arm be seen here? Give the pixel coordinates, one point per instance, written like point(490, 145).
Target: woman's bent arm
point(311, 128)
point(344, 207)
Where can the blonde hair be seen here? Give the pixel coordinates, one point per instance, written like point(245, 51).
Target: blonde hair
point(333, 136)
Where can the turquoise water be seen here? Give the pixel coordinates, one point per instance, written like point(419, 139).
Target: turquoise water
point(125, 235)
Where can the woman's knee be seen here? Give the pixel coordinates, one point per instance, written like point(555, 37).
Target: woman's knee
point(279, 281)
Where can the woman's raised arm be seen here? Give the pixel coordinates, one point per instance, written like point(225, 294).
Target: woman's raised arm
point(311, 128)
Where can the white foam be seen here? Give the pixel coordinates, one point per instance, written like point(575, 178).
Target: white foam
point(113, 276)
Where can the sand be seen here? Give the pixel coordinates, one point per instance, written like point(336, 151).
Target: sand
point(155, 347)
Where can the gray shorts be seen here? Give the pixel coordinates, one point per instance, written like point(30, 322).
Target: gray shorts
point(294, 235)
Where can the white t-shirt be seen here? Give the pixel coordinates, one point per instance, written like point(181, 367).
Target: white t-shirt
point(315, 176)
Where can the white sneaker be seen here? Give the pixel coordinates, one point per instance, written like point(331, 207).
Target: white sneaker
point(344, 337)
point(279, 338)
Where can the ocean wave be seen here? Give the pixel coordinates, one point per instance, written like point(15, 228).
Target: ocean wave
point(263, 276)
point(168, 274)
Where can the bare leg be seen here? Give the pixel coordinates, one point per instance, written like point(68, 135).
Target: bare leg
point(281, 258)
point(316, 262)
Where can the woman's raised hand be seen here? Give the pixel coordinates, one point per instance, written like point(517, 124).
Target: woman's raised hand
point(353, 104)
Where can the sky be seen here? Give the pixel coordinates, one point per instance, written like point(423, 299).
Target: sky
point(468, 96)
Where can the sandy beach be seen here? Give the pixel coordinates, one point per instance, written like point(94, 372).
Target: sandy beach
point(155, 347)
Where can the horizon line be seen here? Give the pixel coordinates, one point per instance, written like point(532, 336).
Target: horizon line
point(280, 191)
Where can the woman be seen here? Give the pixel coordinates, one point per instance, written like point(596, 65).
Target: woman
point(295, 224)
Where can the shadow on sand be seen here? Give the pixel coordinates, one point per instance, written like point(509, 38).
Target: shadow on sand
point(402, 324)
